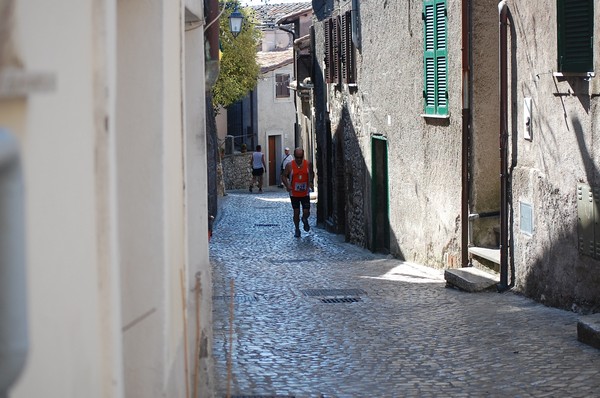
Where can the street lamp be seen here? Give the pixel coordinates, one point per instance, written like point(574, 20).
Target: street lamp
point(235, 22)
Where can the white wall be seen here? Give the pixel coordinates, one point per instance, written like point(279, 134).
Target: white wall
point(114, 162)
point(67, 149)
point(276, 116)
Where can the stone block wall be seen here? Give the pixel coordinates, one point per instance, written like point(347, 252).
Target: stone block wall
point(237, 173)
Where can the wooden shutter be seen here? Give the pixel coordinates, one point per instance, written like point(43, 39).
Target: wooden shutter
point(349, 60)
point(328, 51)
point(441, 54)
point(575, 20)
point(282, 82)
point(343, 48)
point(435, 57)
point(335, 44)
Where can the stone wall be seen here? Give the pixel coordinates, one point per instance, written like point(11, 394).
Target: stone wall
point(237, 173)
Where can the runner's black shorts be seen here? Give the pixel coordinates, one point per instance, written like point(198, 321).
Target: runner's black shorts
point(257, 172)
point(304, 200)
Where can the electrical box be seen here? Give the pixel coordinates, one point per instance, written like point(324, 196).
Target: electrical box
point(526, 218)
point(527, 120)
point(588, 220)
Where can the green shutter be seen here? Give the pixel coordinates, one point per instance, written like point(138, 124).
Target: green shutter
point(575, 20)
point(435, 58)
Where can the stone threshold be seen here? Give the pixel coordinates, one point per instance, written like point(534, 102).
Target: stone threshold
point(470, 279)
point(588, 330)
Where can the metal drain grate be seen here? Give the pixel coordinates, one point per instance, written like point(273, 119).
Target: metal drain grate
point(335, 300)
point(262, 396)
point(266, 225)
point(332, 292)
point(238, 298)
point(290, 260)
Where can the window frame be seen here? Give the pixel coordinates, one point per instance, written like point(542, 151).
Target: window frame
point(281, 87)
point(574, 53)
point(435, 58)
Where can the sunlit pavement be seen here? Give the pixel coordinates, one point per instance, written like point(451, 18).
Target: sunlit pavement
point(314, 316)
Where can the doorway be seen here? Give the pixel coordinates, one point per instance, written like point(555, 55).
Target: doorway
point(380, 196)
point(272, 162)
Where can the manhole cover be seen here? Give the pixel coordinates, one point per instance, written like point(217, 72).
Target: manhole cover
point(335, 300)
point(332, 292)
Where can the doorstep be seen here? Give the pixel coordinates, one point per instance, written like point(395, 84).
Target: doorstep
point(588, 330)
point(470, 279)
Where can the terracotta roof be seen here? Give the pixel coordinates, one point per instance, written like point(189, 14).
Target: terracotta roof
point(271, 60)
point(271, 13)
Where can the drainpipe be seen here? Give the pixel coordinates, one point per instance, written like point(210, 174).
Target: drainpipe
point(13, 312)
point(502, 14)
point(466, 127)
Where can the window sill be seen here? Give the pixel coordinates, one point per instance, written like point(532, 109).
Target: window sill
point(587, 75)
point(427, 116)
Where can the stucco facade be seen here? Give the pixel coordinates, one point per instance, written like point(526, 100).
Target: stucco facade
point(275, 117)
point(114, 159)
point(548, 168)
point(440, 170)
point(387, 103)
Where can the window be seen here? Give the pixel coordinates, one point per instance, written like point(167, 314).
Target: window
point(575, 20)
point(282, 85)
point(328, 51)
point(340, 59)
point(435, 60)
point(348, 58)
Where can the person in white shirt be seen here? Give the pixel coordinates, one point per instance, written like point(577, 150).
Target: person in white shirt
point(257, 162)
point(286, 159)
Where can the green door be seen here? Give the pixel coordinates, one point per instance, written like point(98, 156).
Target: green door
point(380, 196)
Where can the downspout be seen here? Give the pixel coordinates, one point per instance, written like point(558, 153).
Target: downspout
point(466, 127)
point(502, 14)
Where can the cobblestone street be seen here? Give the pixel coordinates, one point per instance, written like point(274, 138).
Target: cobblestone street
point(314, 316)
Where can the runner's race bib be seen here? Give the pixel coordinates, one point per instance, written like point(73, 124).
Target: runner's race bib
point(300, 186)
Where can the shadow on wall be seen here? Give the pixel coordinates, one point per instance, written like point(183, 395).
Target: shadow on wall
point(354, 211)
point(561, 276)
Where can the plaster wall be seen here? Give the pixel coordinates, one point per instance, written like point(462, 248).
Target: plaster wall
point(276, 116)
point(485, 126)
point(275, 39)
point(67, 149)
point(198, 278)
point(424, 153)
point(114, 160)
point(140, 159)
point(563, 152)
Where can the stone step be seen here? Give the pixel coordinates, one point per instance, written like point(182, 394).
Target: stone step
point(492, 255)
point(588, 330)
point(471, 279)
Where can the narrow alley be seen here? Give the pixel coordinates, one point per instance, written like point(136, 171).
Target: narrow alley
point(317, 317)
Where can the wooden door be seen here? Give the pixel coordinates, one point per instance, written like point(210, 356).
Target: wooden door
point(380, 196)
point(272, 166)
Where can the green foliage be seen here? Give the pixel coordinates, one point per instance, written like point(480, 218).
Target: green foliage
point(239, 70)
